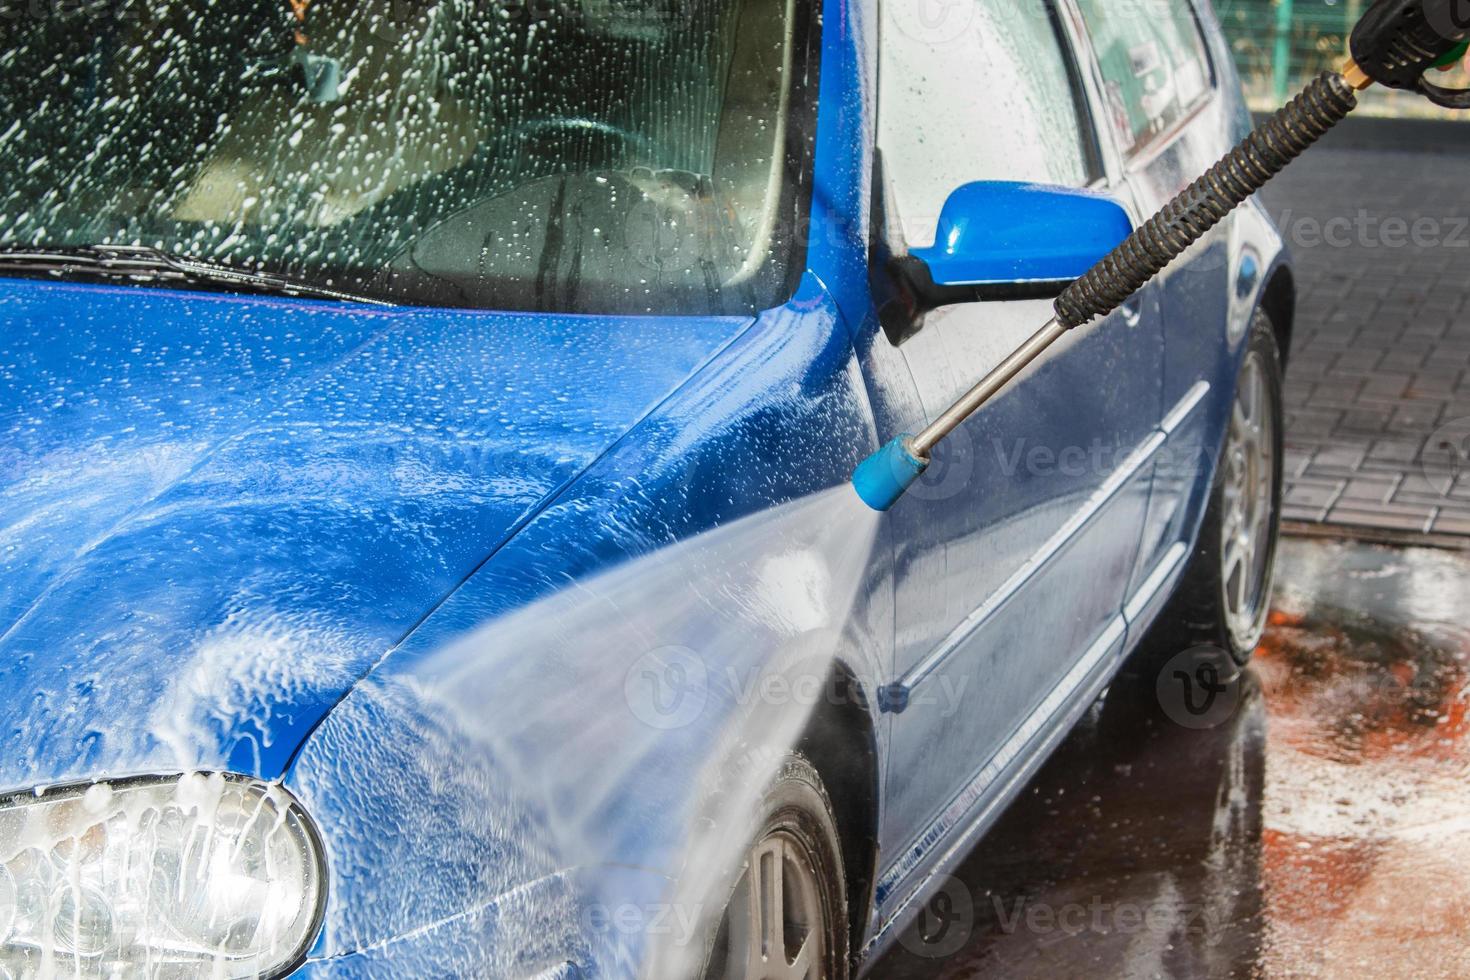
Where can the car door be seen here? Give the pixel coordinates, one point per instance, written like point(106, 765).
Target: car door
point(1033, 508)
point(1159, 92)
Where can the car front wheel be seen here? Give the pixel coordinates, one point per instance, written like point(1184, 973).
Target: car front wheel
point(787, 916)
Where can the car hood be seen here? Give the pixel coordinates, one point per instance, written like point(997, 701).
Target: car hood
point(217, 512)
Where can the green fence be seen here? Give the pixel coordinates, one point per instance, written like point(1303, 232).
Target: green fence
point(1281, 44)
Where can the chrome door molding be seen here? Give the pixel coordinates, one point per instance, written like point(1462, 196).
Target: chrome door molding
point(1032, 741)
point(1184, 407)
point(1024, 751)
point(895, 697)
point(1140, 601)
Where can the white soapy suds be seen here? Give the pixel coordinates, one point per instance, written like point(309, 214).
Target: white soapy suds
point(519, 739)
point(241, 673)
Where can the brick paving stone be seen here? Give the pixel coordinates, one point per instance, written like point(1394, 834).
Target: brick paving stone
point(1451, 524)
point(1358, 362)
point(1296, 462)
point(1344, 394)
point(1312, 422)
point(1391, 455)
point(1299, 394)
point(1319, 496)
point(1418, 418)
point(1342, 458)
point(1429, 385)
point(1451, 364)
point(1386, 383)
point(1435, 486)
point(1381, 344)
point(1368, 490)
point(1355, 422)
point(1402, 360)
point(1380, 518)
point(1455, 510)
point(1429, 331)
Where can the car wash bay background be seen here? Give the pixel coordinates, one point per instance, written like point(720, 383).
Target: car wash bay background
point(1321, 826)
point(1377, 393)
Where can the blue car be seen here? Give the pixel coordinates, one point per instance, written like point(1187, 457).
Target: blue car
point(427, 539)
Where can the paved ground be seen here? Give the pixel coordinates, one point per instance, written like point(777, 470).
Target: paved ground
point(1320, 827)
point(1378, 391)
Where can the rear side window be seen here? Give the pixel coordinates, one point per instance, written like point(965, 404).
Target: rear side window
point(975, 90)
point(1153, 61)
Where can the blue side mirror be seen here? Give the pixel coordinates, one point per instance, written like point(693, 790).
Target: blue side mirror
point(1004, 240)
point(994, 233)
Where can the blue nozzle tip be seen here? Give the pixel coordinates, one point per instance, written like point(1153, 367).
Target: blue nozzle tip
point(884, 476)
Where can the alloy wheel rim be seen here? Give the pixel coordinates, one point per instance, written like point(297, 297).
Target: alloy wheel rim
point(775, 921)
point(1249, 498)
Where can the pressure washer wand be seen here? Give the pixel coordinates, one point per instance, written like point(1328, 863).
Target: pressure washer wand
point(1394, 43)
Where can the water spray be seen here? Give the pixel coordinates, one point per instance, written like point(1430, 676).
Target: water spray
point(1394, 44)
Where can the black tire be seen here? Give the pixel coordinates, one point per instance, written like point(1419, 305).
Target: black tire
point(796, 811)
point(1199, 613)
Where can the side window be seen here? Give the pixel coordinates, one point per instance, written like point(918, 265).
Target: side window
point(989, 92)
point(1153, 60)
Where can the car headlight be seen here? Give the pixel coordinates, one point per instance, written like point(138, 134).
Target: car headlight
point(197, 875)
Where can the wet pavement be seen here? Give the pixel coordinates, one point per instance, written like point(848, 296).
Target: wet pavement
point(1378, 387)
point(1321, 828)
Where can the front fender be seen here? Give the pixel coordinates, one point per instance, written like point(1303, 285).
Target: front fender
point(576, 702)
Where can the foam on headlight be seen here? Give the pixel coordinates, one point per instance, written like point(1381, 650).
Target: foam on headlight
point(204, 874)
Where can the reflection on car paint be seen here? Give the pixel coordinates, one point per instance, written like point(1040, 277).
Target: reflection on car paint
point(274, 492)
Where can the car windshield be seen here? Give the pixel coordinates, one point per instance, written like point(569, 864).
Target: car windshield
point(606, 156)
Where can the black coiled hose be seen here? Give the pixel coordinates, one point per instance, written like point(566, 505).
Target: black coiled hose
point(1226, 185)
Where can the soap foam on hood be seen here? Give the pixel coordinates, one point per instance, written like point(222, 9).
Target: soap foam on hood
point(240, 675)
point(521, 749)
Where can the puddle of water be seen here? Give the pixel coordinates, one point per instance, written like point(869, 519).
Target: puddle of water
point(1322, 830)
point(1425, 589)
point(1367, 805)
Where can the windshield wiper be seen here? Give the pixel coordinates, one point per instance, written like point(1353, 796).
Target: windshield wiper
point(140, 263)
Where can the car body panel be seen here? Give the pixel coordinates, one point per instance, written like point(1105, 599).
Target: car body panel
point(1208, 298)
point(220, 511)
point(1025, 471)
point(524, 608)
point(1040, 495)
point(516, 725)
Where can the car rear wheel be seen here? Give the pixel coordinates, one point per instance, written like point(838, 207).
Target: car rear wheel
point(787, 916)
point(1225, 594)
